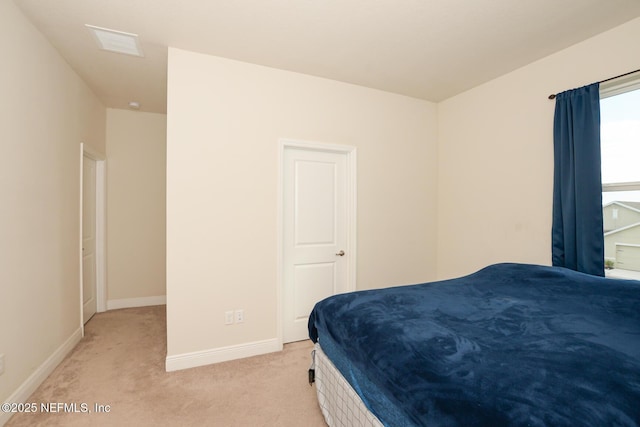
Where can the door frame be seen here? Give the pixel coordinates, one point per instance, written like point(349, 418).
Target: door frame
point(101, 205)
point(351, 206)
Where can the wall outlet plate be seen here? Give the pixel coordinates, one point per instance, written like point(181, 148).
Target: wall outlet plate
point(228, 317)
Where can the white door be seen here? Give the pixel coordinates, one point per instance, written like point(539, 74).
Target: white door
point(88, 238)
point(315, 261)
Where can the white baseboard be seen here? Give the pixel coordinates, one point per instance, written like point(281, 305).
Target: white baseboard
point(222, 354)
point(114, 304)
point(39, 375)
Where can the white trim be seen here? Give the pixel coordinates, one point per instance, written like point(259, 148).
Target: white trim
point(313, 145)
point(34, 381)
point(80, 242)
point(222, 354)
point(280, 247)
point(101, 226)
point(621, 186)
point(620, 85)
point(352, 204)
point(114, 304)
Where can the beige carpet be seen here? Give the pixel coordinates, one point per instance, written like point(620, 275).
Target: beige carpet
point(120, 363)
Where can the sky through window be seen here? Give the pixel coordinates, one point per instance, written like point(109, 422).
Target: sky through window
point(620, 140)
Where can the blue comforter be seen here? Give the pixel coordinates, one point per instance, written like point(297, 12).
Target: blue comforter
point(510, 345)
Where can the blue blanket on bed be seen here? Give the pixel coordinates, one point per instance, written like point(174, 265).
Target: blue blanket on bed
point(510, 345)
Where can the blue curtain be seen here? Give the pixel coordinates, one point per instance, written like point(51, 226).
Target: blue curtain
point(577, 239)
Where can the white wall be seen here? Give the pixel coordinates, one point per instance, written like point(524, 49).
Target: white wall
point(46, 111)
point(224, 122)
point(136, 207)
point(495, 180)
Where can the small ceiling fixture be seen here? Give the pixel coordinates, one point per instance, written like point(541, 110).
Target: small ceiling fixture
point(116, 41)
point(134, 105)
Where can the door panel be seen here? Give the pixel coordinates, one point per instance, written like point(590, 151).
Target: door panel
point(315, 210)
point(312, 282)
point(315, 231)
point(89, 305)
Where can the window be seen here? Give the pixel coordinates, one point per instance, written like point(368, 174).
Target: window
point(620, 139)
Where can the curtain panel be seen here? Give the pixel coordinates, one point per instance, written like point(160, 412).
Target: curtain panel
point(577, 231)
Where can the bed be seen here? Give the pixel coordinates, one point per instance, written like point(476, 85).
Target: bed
point(510, 345)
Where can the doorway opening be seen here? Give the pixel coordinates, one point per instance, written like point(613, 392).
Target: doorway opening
point(92, 233)
point(316, 229)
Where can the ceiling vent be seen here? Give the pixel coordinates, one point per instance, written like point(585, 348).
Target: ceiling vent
point(116, 41)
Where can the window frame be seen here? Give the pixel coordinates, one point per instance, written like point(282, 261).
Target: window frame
point(609, 89)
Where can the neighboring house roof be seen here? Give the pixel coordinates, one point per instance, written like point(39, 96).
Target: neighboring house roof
point(628, 206)
point(617, 230)
point(634, 206)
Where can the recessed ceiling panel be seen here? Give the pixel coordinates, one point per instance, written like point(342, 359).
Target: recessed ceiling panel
point(116, 41)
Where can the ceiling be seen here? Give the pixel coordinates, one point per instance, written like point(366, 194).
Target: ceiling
point(428, 49)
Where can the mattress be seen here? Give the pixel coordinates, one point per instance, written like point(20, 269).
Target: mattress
point(340, 404)
point(513, 344)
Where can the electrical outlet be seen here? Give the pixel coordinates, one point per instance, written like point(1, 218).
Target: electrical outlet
point(239, 316)
point(1, 364)
point(228, 317)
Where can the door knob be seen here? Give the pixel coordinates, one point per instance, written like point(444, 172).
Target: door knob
point(341, 253)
